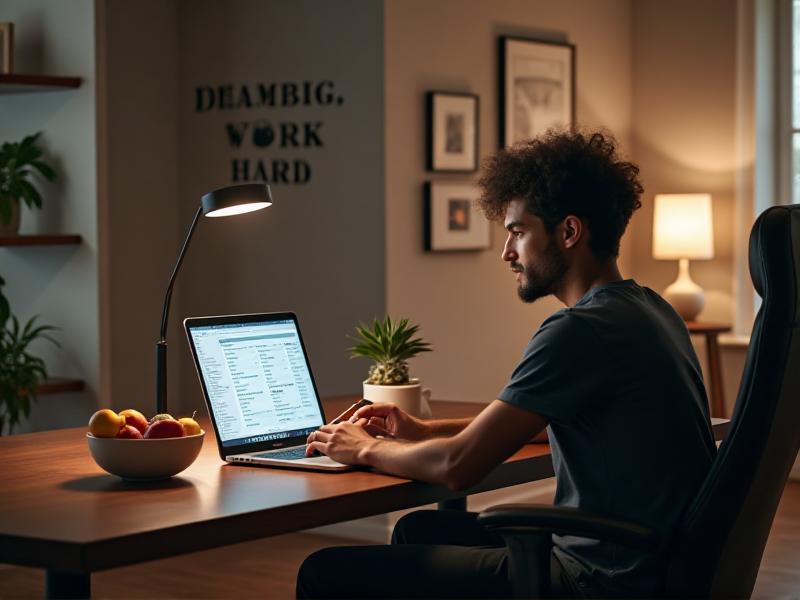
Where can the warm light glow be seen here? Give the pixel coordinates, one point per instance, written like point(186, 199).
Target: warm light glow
point(682, 226)
point(238, 209)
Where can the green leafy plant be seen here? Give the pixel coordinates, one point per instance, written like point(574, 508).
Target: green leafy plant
point(18, 161)
point(390, 344)
point(20, 371)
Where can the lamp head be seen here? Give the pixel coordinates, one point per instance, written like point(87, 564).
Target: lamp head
point(236, 199)
point(682, 227)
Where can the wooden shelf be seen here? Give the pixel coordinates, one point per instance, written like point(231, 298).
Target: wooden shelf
point(39, 240)
point(14, 83)
point(60, 385)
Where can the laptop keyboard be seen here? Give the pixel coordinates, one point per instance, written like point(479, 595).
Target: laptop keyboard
point(295, 453)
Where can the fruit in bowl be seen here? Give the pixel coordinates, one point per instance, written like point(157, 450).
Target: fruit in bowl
point(136, 419)
point(131, 447)
point(164, 428)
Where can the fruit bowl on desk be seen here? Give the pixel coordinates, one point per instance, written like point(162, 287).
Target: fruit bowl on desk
point(145, 459)
point(132, 447)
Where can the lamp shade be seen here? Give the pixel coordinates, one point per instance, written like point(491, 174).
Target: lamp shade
point(236, 199)
point(682, 226)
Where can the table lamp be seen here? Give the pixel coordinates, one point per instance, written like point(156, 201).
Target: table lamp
point(224, 202)
point(683, 230)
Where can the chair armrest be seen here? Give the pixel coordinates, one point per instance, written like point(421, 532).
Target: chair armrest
point(563, 520)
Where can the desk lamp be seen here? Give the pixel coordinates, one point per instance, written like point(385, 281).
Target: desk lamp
point(683, 230)
point(224, 202)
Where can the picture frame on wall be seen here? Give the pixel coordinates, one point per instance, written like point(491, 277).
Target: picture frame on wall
point(451, 132)
point(452, 220)
point(6, 48)
point(537, 88)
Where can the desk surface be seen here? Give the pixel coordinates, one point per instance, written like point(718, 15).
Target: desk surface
point(59, 510)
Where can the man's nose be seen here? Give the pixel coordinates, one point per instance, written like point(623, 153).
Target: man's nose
point(508, 254)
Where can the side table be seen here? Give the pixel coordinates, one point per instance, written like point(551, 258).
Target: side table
point(716, 394)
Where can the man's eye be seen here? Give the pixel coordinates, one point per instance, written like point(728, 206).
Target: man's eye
point(516, 234)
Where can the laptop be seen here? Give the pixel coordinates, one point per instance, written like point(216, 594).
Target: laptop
point(259, 389)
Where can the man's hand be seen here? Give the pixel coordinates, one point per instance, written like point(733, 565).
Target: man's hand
point(386, 420)
point(343, 442)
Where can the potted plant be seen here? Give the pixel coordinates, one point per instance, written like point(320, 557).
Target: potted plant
point(20, 371)
point(390, 344)
point(18, 161)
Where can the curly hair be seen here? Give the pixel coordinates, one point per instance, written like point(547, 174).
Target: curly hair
point(561, 174)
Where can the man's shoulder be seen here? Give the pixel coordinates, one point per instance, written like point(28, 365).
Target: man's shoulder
point(566, 326)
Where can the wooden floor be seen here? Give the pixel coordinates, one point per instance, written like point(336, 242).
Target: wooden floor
point(267, 568)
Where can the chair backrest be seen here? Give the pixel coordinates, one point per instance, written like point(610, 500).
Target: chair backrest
point(718, 547)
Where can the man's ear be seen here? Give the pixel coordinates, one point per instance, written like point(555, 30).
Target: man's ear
point(573, 231)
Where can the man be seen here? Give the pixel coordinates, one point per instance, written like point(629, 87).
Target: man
point(613, 376)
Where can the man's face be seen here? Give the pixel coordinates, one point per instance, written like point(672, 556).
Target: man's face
point(532, 253)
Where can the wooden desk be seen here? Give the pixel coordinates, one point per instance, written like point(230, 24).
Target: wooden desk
point(716, 392)
point(61, 512)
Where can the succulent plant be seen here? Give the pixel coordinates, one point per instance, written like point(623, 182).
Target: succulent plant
point(390, 344)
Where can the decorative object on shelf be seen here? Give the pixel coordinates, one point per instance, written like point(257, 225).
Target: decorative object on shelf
point(18, 161)
point(224, 202)
point(537, 88)
point(6, 47)
point(683, 230)
point(390, 344)
point(452, 221)
point(20, 371)
point(451, 131)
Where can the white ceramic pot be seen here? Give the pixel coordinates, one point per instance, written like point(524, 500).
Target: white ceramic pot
point(411, 398)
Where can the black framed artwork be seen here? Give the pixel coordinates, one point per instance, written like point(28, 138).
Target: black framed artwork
point(452, 220)
point(537, 88)
point(451, 132)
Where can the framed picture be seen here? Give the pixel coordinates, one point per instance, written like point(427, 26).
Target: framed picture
point(6, 47)
point(452, 221)
point(537, 88)
point(452, 131)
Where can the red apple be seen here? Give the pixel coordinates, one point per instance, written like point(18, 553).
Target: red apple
point(165, 428)
point(135, 418)
point(129, 432)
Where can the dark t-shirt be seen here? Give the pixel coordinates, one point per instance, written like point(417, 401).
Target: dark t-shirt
point(618, 379)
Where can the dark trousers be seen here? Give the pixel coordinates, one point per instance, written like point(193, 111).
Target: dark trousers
point(433, 554)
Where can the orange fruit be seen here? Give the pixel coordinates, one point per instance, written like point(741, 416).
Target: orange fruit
point(190, 426)
point(106, 423)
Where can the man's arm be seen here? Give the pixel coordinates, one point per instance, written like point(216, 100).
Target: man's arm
point(458, 461)
point(386, 419)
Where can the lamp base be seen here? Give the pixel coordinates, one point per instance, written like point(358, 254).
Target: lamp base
point(685, 296)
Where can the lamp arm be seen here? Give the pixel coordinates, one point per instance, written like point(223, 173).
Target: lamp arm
point(161, 344)
point(168, 295)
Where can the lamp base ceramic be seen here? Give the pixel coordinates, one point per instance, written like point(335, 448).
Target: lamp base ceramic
point(685, 296)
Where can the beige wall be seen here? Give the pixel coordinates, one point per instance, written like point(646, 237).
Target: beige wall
point(138, 202)
point(684, 137)
point(319, 250)
point(466, 303)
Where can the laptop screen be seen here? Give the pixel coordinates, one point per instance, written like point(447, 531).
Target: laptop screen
point(257, 379)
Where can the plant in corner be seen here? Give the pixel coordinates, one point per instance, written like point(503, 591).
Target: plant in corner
point(18, 161)
point(390, 344)
point(20, 371)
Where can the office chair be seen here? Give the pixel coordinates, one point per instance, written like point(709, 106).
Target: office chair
point(716, 548)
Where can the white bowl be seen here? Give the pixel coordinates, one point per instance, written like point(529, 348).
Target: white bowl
point(145, 459)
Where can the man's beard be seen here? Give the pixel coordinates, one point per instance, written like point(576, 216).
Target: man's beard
point(543, 278)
